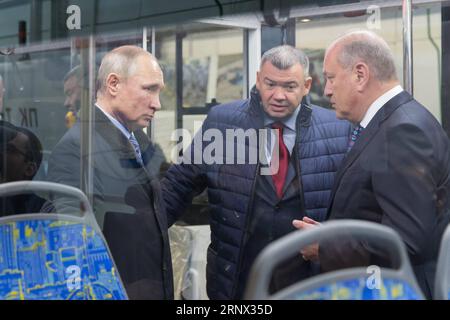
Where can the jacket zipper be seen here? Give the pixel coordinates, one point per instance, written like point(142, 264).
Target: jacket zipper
point(245, 236)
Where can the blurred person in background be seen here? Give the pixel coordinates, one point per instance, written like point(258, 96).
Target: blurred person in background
point(72, 93)
point(21, 156)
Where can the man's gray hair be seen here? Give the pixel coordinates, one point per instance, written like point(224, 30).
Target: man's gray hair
point(285, 56)
point(368, 47)
point(122, 61)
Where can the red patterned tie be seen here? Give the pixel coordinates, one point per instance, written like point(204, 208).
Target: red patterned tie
point(279, 176)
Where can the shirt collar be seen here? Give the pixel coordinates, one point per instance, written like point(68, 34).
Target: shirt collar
point(116, 123)
point(289, 122)
point(378, 104)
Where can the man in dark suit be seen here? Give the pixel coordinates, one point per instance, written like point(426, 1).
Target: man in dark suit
point(126, 195)
point(396, 171)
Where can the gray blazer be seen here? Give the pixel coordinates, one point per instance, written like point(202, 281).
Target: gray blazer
point(126, 204)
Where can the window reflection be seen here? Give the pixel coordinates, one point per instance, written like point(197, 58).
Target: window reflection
point(212, 70)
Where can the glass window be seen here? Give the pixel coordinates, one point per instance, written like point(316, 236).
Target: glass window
point(387, 22)
point(34, 94)
point(212, 66)
point(212, 63)
point(37, 95)
point(9, 23)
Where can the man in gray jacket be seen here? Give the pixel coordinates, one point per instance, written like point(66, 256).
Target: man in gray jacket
point(126, 195)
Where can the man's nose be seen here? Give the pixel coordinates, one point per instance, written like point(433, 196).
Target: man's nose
point(327, 90)
point(279, 93)
point(156, 103)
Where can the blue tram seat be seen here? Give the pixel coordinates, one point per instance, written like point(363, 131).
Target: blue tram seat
point(55, 256)
point(353, 283)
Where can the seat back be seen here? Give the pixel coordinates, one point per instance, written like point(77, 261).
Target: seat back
point(55, 256)
point(442, 282)
point(355, 283)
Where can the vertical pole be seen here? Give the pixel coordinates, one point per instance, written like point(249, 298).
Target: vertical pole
point(144, 38)
point(407, 47)
point(153, 41)
point(180, 34)
point(252, 52)
point(36, 21)
point(87, 52)
point(445, 82)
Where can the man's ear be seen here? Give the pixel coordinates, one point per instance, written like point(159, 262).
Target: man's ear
point(112, 83)
point(361, 75)
point(308, 82)
point(30, 169)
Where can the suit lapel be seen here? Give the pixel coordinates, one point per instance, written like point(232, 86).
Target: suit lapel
point(120, 143)
point(114, 136)
point(365, 137)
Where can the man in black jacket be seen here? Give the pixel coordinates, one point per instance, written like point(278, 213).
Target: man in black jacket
point(126, 195)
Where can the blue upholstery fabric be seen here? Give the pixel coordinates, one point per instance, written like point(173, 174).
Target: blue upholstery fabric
point(357, 289)
point(55, 260)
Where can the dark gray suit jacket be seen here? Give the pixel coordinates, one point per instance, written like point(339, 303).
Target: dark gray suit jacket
point(127, 204)
point(397, 174)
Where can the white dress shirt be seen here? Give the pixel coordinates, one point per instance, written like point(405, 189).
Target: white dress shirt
point(117, 124)
point(289, 133)
point(378, 103)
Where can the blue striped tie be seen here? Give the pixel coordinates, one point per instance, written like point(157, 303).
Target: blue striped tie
point(354, 136)
point(137, 149)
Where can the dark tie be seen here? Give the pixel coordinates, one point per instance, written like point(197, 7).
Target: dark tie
point(137, 149)
point(354, 136)
point(279, 177)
